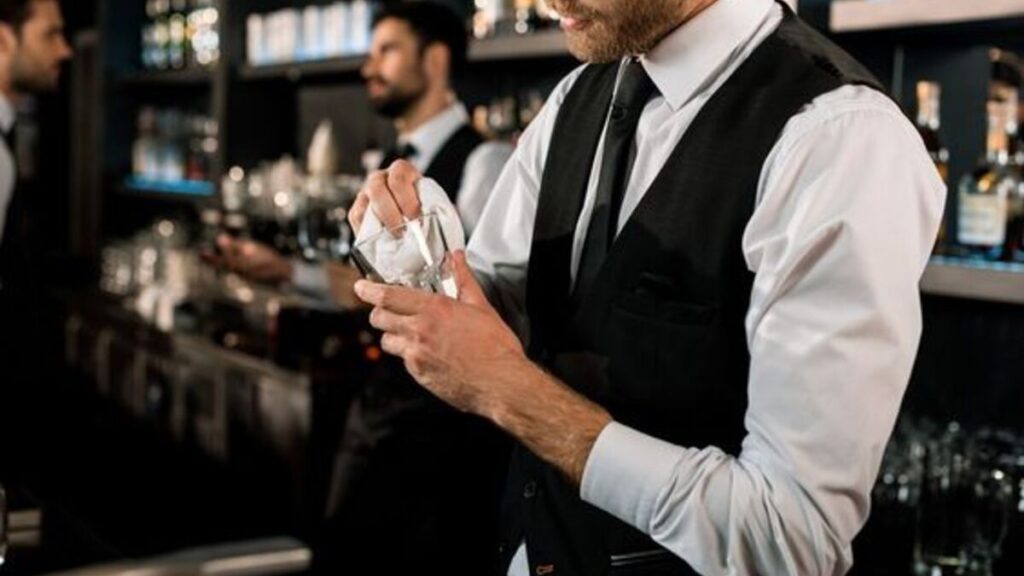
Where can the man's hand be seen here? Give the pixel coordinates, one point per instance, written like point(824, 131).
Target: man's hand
point(253, 260)
point(390, 194)
point(450, 347)
point(464, 353)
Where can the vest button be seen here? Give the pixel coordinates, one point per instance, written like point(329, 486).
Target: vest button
point(530, 489)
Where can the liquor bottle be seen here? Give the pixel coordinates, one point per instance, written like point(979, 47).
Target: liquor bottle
point(532, 16)
point(984, 195)
point(494, 18)
point(148, 36)
point(161, 34)
point(1014, 247)
point(177, 51)
point(145, 148)
point(203, 33)
point(929, 120)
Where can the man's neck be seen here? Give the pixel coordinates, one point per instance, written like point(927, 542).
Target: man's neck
point(687, 11)
point(423, 111)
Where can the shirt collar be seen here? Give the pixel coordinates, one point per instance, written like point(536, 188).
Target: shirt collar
point(429, 138)
point(694, 54)
point(7, 115)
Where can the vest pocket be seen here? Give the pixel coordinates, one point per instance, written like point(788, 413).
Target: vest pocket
point(653, 345)
point(664, 310)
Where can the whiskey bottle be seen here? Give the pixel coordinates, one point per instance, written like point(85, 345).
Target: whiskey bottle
point(984, 194)
point(929, 120)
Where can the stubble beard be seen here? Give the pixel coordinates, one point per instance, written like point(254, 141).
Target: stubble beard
point(629, 28)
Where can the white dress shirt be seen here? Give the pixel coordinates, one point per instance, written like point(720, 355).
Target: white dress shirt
point(848, 205)
point(7, 167)
point(483, 166)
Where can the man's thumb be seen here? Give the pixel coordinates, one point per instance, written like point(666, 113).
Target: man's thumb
point(469, 289)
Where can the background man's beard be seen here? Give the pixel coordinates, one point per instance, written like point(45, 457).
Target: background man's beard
point(26, 82)
point(33, 85)
point(395, 104)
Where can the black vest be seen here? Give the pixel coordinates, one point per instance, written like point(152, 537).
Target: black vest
point(448, 165)
point(659, 340)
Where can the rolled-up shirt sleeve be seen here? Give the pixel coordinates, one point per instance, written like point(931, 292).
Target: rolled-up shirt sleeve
point(847, 215)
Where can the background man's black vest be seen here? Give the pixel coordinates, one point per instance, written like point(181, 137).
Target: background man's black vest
point(412, 476)
point(659, 340)
point(448, 165)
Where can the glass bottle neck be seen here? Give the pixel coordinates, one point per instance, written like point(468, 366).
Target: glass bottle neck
point(928, 114)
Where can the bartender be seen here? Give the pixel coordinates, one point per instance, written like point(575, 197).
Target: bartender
point(705, 254)
point(418, 50)
point(32, 49)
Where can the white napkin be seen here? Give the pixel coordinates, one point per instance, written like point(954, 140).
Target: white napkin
point(432, 199)
point(404, 253)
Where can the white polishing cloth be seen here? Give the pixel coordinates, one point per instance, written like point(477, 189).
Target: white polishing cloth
point(401, 253)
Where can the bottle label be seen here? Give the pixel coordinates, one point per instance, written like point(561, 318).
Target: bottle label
point(982, 220)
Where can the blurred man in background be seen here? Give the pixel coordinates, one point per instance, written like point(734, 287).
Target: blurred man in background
point(411, 476)
point(32, 50)
point(418, 51)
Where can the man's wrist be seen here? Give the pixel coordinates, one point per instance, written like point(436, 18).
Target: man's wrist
point(552, 420)
point(500, 405)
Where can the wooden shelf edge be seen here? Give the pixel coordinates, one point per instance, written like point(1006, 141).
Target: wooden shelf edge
point(169, 78)
point(295, 71)
point(975, 281)
point(867, 15)
point(547, 44)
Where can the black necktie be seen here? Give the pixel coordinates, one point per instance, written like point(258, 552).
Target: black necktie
point(398, 152)
point(634, 91)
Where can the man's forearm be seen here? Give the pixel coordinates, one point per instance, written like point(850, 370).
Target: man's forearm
point(549, 418)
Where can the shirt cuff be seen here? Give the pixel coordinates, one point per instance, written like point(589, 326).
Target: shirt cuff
point(310, 278)
point(626, 472)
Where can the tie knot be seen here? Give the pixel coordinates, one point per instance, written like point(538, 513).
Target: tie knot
point(406, 151)
point(635, 87)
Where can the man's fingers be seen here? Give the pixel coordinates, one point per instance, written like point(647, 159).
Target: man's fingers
point(387, 321)
point(394, 344)
point(397, 299)
point(401, 181)
point(382, 203)
point(357, 212)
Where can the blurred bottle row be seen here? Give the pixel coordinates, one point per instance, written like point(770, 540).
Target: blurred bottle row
point(310, 33)
point(345, 28)
point(989, 222)
point(172, 145)
point(180, 34)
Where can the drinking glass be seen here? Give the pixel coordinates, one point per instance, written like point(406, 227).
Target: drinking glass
point(945, 500)
point(415, 255)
